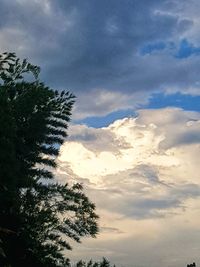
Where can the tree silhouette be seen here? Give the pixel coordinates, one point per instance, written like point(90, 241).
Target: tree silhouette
point(38, 215)
point(103, 263)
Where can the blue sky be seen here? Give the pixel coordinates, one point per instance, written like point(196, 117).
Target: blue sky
point(134, 66)
point(156, 101)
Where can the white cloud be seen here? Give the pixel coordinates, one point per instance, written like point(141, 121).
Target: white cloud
point(143, 175)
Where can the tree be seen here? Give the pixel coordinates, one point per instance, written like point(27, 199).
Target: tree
point(103, 263)
point(37, 213)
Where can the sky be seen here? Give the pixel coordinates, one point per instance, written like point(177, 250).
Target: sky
point(134, 138)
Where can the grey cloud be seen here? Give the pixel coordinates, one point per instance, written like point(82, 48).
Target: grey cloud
point(179, 127)
point(152, 208)
point(148, 172)
point(185, 135)
point(136, 193)
point(64, 174)
point(191, 138)
point(167, 118)
point(97, 140)
point(138, 200)
point(186, 191)
point(106, 59)
point(141, 206)
point(89, 45)
point(135, 206)
point(107, 229)
point(184, 25)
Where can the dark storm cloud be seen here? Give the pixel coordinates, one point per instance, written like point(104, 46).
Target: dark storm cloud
point(92, 44)
point(104, 41)
point(89, 44)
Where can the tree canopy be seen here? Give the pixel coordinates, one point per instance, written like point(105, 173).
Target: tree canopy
point(38, 215)
point(103, 263)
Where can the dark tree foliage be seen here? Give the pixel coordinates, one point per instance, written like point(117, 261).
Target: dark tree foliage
point(37, 215)
point(103, 263)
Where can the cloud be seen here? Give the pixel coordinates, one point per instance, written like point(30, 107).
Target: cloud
point(95, 54)
point(110, 230)
point(142, 173)
point(97, 140)
point(104, 102)
point(185, 124)
point(139, 167)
